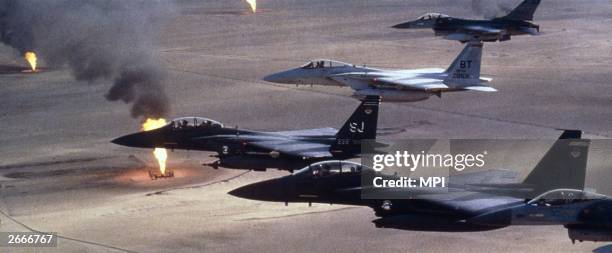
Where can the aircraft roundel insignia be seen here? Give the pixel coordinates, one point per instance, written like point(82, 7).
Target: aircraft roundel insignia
point(575, 153)
point(368, 111)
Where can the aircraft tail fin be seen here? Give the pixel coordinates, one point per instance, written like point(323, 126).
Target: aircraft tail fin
point(361, 125)
point(524, 11)
point(563, 166)
point(465, 69)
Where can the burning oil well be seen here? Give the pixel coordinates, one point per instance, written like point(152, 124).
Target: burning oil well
point(32, 60)
point(161, 154)
point(253, 5)
point(100, 41)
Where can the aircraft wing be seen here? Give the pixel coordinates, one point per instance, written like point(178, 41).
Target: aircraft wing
point(297, 148)
point(327, 131)
point(457, 200)
point(424, 84)
point(469, 202)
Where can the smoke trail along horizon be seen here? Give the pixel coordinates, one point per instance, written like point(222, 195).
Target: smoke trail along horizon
point(110, 40)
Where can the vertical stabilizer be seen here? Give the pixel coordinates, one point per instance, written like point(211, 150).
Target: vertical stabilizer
point(465, 69)
point(563, 166)
point(524, 11)
point(360, 126)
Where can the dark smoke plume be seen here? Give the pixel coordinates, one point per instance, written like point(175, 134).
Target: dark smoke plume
point(492, 8)
point(98, 40)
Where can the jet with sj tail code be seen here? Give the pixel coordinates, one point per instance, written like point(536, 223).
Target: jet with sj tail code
point(393, 85)
point(258, 150)
point(517, 22)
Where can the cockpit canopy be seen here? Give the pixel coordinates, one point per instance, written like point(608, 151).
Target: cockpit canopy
point(321, 63)
point(327, 168)
point(194, 122)
point(430, 16)
point(563, 197)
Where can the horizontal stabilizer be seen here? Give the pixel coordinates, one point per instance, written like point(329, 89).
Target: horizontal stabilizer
point(480, 88)
point(530, 30)
point(486, 79)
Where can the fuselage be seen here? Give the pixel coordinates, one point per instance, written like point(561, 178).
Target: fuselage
point(366, 81)
point(327, 182)
point(393, 85)
point(207, 138)
point(453, 26)
point(231, 144)
point(497, 29)
point(456, 207)
point(259, 150)
point(356, 77)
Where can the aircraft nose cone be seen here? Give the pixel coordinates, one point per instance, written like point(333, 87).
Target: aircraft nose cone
point(271, 190)
point(405, 25)
point(137, 140)
point(286, 77)
point(274, 78)
point(123, 140)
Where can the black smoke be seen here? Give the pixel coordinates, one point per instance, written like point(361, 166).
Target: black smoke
point(492, 8)
point(99, 40)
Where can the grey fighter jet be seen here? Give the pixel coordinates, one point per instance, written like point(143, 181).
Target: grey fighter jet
point(393, 85)
point(257, 150)
point(517, 22)
point(460, 208)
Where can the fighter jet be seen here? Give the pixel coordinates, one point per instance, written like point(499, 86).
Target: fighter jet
point(393, 85)
point(257, 150)
point(460, 208)
point(586, 215)
point(517, 22)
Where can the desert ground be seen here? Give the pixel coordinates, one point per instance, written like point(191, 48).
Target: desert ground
point(60, 173)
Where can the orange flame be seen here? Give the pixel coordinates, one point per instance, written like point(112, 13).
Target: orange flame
point(253, 4)
point(32, 60)
point(160, 153)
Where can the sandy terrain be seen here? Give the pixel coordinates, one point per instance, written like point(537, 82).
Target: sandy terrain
point(59, 172)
